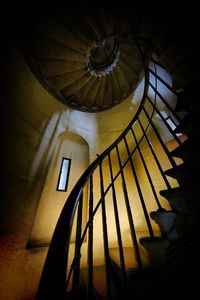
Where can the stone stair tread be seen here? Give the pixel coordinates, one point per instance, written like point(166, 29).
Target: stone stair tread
point(171, 192)
point(108, 96)
point(129, 257)
point(154, 244)
point(91, 96)
point(184, 249)
point(189, 125)
point(75, 86)
point(188, 151)
point(100, 94)
point(128, 72)
point(109, 20)
point(99, 281)
point(92, 20)
point(44, 47)
point(178, 192)
point(53, 67)
point(156, 247)
point(156, 239)
point(82, 94)
point(181, 199)
point(187, 98)
point(62, 81)
point(75, 25)
point(135, 66)
point(185, 174)
point(122, 81)
point(177, 171)
point(55, 31)
point(116, 91)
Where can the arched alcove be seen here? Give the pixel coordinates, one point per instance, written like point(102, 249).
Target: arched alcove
point(71, 146)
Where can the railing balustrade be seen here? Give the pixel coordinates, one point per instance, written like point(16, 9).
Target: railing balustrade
point(124, 171)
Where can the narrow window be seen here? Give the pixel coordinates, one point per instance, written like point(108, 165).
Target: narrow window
point(64, 174)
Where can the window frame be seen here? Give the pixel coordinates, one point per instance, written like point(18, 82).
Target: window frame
point(67, 177)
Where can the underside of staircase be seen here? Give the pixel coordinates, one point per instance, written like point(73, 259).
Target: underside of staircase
point(86, 58)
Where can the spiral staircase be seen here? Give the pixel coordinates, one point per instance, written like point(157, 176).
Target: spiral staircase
point(83, 58)
point(92, 60)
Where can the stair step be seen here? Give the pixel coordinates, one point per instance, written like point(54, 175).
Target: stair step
point(129, 258)
point(129, 73)
point(187, 221)
point(174, 55)
point(56, 30)
point(181, 104)
point(44, 47)
point(130, 49)
point(139, 282)
point(100, 94)
point(75, 86)
point(184, 250)
point(82, 94)
point(116, 91)
point(125, 76)
point(165, 220)
point(71, 19)
point(189, 126)
point(122, 82)
point(92, 20)
point(188, 151)
point(185, 71)
point(187, 98)
point(99, 283)
point(156, 247)
point(164, 40)
point(91, 96)
point(177, 171)
point(61, 81)
point(130, 58)
point(185, 174)
point(108, 96)
point(51, 67)
point(182, 257)
point(110, 21)
point(124, 28)
point(174, 224)
point(181, 199)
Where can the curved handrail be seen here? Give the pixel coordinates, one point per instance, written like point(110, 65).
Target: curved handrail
point(53, 279)
point(56, 260)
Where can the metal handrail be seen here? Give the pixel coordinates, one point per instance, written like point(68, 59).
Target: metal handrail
point(53, 279)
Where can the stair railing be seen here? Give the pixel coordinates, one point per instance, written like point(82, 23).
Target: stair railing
point(115, 177)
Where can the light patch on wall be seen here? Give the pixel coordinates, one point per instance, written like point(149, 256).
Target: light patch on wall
point(46, 144)
point(86, 125)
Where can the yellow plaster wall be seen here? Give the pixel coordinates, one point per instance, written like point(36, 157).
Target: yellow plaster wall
point(71, 146)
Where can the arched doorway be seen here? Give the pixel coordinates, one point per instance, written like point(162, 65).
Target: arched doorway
point(73, 147)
